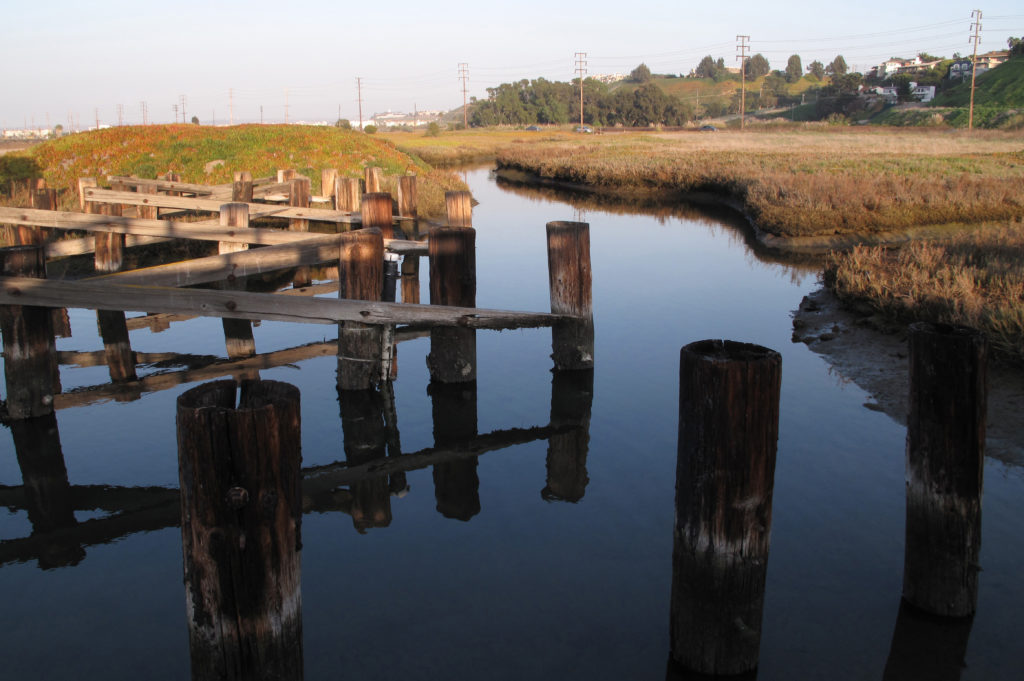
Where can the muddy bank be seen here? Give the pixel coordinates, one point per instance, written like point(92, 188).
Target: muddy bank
point(871, 352)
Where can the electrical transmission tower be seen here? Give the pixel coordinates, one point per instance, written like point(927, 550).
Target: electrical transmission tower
point(742, 49)
point(464, 77)
point(144, 108)
point(975, 38)
point(581, 70)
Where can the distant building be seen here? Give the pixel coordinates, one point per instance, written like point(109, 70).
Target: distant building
point(608, 78)
point(961, 68)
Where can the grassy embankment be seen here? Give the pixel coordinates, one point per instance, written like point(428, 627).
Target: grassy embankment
point(192, 151)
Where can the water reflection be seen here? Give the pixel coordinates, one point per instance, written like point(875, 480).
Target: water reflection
point(456, 484)
point(927, 647)
point(572, 394)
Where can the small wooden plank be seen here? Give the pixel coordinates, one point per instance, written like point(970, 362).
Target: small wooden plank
point(68, 247)
point(105, 294)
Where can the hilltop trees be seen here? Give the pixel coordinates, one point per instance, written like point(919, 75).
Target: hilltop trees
point(641, 74)
point(757, 66)
point(1016, 46)
point(706, 68)
point(794, 69)
point(838, 67)
point(816, 69)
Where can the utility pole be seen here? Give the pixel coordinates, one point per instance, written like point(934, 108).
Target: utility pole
point(581, 70)
point(742, 56)
point(976, 38)
point(173, 106)
point(97, 112)
point(286, 106)
point(231, 106)
point(182, 98)
point(144, 109)
point(261, 114)
point(464, 76)
point(359, 91)
point(120, 115)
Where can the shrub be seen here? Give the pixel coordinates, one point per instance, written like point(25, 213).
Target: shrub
point(370, 129)
point(433, 129)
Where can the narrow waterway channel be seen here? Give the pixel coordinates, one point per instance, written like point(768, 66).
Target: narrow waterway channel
point(479, 570)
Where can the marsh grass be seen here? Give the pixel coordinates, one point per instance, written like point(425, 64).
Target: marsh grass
point(975, 279)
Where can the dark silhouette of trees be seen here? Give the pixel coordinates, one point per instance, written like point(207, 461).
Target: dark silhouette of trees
point(794, 69)
point(816, 69)
point(838, 67)
point(757, 66)
point(641, 74)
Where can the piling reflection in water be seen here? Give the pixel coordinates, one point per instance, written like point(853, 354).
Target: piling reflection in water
point(926, 646)
point(456, 483)
point(47, 491)
point(365, 439)
point(572, 395)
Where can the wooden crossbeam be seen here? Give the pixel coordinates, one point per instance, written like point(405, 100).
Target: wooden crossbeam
point(105, 294)
point(165, 185)
point(256, 210)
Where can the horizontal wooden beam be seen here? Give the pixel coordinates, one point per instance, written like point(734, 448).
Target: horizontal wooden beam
point(69, 247)
point(165, 185)
point(105, 294)
point(256, 210)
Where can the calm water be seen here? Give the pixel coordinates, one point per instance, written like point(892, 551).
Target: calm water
point(527, 588)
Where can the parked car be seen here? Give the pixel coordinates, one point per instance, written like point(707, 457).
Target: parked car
point(708, 128)
point(584, 128)
point(533, 128)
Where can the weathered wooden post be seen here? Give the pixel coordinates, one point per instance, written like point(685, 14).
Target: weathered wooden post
point(572, 395)
point(241, 187)
point(47, 491)
point(570, 282)
point(172, 176)
point(327, 179)
point(728, 434)
point(148, 212)
point(410, 279)
point(83, 184)
point(238, 336)
point(365, 439)
point(456, 483)
point(459, 208)
point(30, 353)
point(361, 361)
point(407, 203)
point(44, 198)
point(285, 175)
point(373, 176)
point(298, 197)
point(241, 510)
point(375, 211)
point(945, 461)
point(347, 194)
point(452, 257)
point(109, 252)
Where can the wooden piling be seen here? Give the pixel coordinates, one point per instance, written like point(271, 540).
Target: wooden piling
point(109, 253)
point(459, 208)
point(569, 279)
point(285, 175)
point(456, 483)
point(407, 202)
point(148, 212)
point(376, 212)
point(44, 198)
point(241, 510)
point(298, 197)
point(373, 176)
point(361, 363)
point(30, 353)
point(327, 178)
point(728, 433)
point(238, 337)
point(945, 461)
point(241, 187)
point(113, 329)
point(572, 395)
point(411, 279)
point(452, 257)
point(347, 194)
point(172, 176)
point(83, 184)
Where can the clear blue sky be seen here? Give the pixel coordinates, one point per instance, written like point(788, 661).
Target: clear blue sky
point(71, 61)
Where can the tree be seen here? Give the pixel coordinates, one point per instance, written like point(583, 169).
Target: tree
point(816, 69)
point(433, 129)
point(925, 57)
point(1016, 46)
point(757, 66)
point(794, 69)
point(370, 129)
point(706, 68)
point(838, 67)
point(641, 74)
point(195, 120)
point(343, 124)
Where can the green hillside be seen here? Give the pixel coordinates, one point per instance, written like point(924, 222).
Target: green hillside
point(1002, 87)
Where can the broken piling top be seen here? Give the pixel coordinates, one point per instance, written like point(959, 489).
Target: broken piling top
point(571, 292)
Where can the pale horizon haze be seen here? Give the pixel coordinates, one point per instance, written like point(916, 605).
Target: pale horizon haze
point(73, 63)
